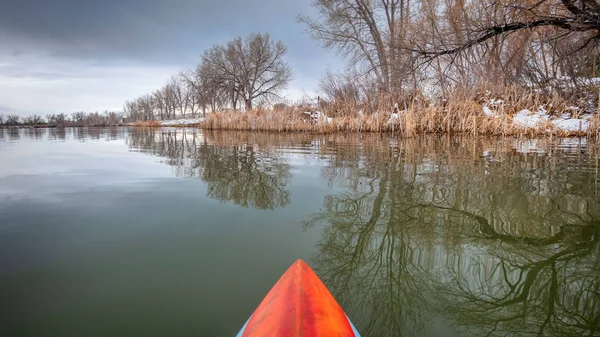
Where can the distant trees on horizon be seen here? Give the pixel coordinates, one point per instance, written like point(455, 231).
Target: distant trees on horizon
point(80, 118)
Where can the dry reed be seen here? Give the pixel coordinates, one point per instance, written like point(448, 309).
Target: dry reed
point(462, 114)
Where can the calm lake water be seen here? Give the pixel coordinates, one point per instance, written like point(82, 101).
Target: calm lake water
point(181, 232)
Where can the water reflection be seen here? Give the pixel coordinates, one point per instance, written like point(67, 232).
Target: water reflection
point(62, 134)
point(13, 134)
point(484, 237)
point(492, 238)
point(57, 134)
point(238, 169)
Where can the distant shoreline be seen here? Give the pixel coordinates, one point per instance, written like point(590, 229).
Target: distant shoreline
point(45, 126)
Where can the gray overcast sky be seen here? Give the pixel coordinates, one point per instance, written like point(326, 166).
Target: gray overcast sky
point(69, 55)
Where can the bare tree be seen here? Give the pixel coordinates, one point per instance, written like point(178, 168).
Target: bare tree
point(213, 92)
point(179, 97)
point(1, 118)
point(145, 105)
point(78, 117)
point(36, 119)
point(514, 40)
point(342, 91)
point(12, 119)
point(369, 32)
point(222, 70)
point(263, 71)
point(159, 100)
point(244, 71)
point(572, 17)
point(60, 119)
point(248, 69)
point(202, 92)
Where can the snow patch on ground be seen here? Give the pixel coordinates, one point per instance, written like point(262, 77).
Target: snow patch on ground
point(528, 119)
point(572, 125)
point(488, 112)
point(183, 121)
point(564, 122)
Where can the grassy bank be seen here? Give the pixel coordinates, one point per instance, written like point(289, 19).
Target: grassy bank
point(456, 119)
point(477, 112)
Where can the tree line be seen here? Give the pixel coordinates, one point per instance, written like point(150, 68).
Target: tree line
point(80, 118)
point(239, 75)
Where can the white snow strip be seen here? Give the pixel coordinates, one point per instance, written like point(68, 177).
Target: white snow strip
point(183, 121)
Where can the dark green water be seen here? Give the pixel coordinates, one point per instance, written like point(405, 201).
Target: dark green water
point(131, 232)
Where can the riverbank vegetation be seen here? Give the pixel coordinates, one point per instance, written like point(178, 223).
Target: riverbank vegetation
point(421, 66)
point(467, 112)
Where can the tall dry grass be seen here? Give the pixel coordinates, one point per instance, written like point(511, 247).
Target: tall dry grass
point(462, 113)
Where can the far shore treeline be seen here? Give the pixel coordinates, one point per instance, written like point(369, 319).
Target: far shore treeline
point(412, 66)
point(80, 118)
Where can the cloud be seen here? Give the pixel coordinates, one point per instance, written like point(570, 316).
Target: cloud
point(55, 85)
point(65, 55)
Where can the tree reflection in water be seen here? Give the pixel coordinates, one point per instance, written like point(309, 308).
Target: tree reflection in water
point(484, 237)
point(237, 167)
point(505, 243)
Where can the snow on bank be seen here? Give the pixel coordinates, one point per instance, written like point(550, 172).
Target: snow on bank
point(572, 125)
point(527, 119)
point(488, 112)
point(564, 122)
point(183, 121)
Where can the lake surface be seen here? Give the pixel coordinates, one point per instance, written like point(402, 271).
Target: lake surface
point(182, 232)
